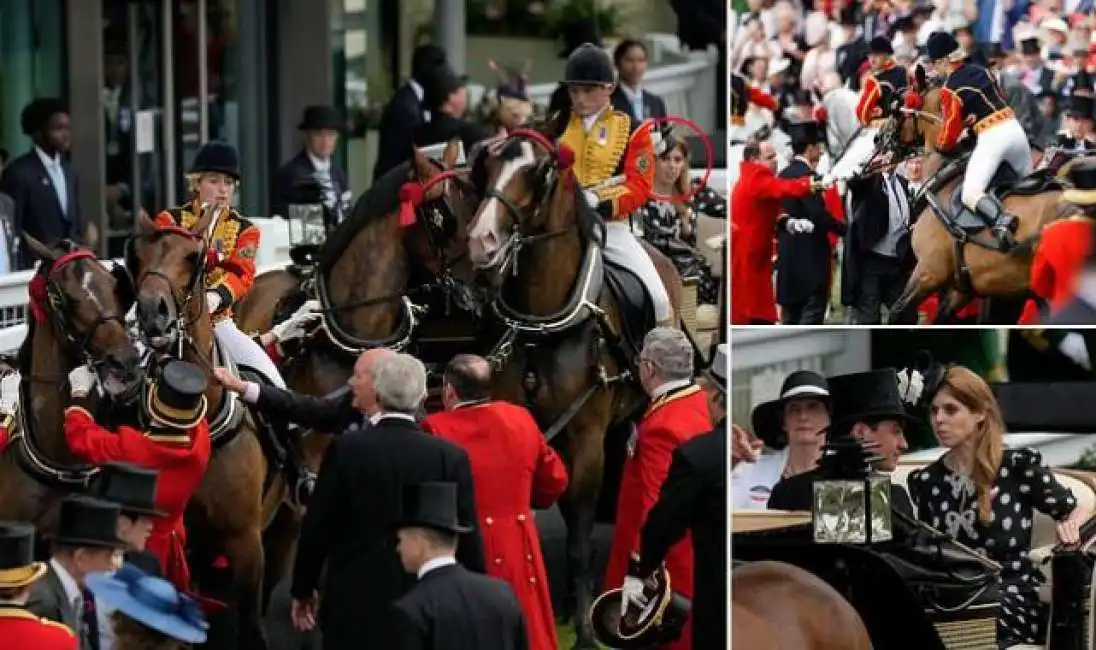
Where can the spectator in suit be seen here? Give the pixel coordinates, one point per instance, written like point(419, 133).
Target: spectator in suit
point(450, 607)
point(349, 525)
point(447, 100)
point(405, 111)
point(630, 58)
point(313, 165)
point(41, 182)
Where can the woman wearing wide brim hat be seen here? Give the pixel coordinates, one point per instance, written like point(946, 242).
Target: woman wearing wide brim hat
point(801, 413)
point(149, 612)
point(19, 572)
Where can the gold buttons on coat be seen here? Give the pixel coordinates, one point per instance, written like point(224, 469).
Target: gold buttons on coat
point(532, 580)
point(521, 517)
point(529, 557)
point(488, 521)
point(498, 560)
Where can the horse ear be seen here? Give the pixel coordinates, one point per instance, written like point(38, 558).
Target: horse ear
point(145, 224)
point(204, 218)
point(450, 155)
point(40, 249)
point(420, 163)
point(920, 76)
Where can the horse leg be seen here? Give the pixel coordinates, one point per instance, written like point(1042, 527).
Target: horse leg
point(244, 550)
point(917, 289)
point(950, 304)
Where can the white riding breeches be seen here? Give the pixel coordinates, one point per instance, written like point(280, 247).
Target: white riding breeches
point(623, 249)
point(1005, 142)
point(245, 351)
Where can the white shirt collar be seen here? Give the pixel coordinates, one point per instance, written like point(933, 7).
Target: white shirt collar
point(72, 590)
point(669, 386)
point(46, 160)
point(417, 88)
point(634, 94)
point(318, 164)
point(436, 563)
point(377, 417)
point(589, 121)
point(472, 402)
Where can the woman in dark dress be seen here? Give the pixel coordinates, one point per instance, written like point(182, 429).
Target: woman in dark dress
point(983, 495)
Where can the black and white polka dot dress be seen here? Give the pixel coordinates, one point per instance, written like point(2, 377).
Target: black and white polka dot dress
point(948, 502)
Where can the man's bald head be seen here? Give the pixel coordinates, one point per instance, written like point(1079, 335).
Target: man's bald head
point(469, 376)
point(361, 382)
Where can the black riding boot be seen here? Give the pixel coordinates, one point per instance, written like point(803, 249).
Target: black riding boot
point(1003, 224)
point(300, 479)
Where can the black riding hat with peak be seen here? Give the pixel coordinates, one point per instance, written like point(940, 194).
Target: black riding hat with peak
point(131, 486)
point(218, 157)
point(943, 45)
point(177, 399)
point(880, 45)
point(17, 566)
point(768, 417)
point(863, 396)
point(1082, 178)
point(431, 505)
point(589, 65)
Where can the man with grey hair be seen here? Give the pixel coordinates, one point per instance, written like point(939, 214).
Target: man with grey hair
point(678, 412)
point(349, 523)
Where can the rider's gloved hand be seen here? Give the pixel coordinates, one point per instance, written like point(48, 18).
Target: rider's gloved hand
point(1073, 346)
point(213, 300)
point(592, 199)
point(81, 381)
point(296, 326)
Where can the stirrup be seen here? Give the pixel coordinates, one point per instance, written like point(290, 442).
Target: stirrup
point(301, 493)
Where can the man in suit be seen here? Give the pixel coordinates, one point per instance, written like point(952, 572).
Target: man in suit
point(314, 165)
point(87, 542)
point(450, 607)
point(693, 499)
point(349, 523)
point(446, 98)
point(630, 59)
point(854, 51)
point(41, 182)
point(18, 573)
point(405, 111)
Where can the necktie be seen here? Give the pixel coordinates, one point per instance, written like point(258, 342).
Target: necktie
point(90, 632)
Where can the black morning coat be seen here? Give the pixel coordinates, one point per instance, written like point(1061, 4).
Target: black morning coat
point(803, 266)
point(452, 608)
point(694, 498)
point(286, 187)
point(349, 526)
point(330, 413)
point(401, 118)
point(37, 209)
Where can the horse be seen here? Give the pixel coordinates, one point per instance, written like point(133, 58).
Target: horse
point(241, 491)
point(779, 606)
point(571, 325)
point(77, 307)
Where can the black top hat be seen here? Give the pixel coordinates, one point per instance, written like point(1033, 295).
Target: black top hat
point(880, 45)
point(88, 522)
point(768, 417)
point(993, 51)
point(438, 83)
point(1080, 106)
point(655, 625)
point(589, 65)
point(806, 132)
point(426, 57)
point(320, 118)
point(863, 396)
point(717, 369)
point(1029, 46)
point(1082, 178)
point(941, 45)
point(219, 157)
point(17, 565)
point(903, 24)
point(431, 505)
point(177, 399)
point(131, 486)
point(848, 17)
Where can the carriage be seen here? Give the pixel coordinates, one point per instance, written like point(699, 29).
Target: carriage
point(923, 590)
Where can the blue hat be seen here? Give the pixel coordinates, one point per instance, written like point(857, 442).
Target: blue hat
point(152, 602)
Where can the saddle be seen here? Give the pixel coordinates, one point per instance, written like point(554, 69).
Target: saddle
point(1005, 183)
point(637, 312)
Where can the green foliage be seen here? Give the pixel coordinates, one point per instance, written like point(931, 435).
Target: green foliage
point(517, 20)
point(561, 14)
point(1087, 461)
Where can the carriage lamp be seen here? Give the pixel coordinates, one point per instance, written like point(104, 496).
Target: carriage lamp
point(306, 223)
point(851, 502)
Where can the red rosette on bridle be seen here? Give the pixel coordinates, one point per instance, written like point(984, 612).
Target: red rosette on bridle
point(413, 195)
point(37, 290)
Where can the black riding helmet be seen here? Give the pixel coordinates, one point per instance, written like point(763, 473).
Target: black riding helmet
point(217, 157)
point(589, 65)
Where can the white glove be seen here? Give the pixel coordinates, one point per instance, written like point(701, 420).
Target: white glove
point(1073, 346)
point(81, 380)
point(798, 226)
point(295, 326)
point(592, 199)
point(631, 592)
point(213, 300)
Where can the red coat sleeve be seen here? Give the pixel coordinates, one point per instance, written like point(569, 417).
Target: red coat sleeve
point(761, 98)
point(549, 478)
point(769, 186)
point(91, 442)
point(869, 97)
point(952, 107)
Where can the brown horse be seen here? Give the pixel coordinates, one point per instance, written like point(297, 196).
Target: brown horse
point(968, 264)
point(563, 352)
point(779, 606)
point(230, 509)
point(77, 308)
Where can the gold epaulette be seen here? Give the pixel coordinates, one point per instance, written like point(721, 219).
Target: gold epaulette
point(671, 397)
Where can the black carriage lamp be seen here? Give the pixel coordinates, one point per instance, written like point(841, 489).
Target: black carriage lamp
point(308, 216)
point(851, 501)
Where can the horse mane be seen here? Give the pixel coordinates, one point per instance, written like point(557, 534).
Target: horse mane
point(379, 201)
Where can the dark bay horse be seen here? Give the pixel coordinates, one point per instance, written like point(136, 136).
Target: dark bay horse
point(77, 307)
point(569, 341)
point(235, 500)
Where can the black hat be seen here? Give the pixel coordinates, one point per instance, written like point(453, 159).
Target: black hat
point(426, 57)
point(848, 17)
point(131, 486)
point(1029, 46)
point(920, 7)
point(17, 566)
point(1080, 106)
point(431, 505)
point(177, 399)
point(880, 45)
point(219, 157)
point(1082, 179)
point(942, 45)
point(993, 51)
point(806, 132)
point(903, 24)
point(867, 395)
point(768, 417)
point(438, 83)
point(717, 369)
point(89, 522)
point(320, 118)
point(589, 65)
point(659, 623)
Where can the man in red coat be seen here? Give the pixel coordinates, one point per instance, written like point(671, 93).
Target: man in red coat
point(678, 412)
point(755, 206)
point(177, 446)
point(512, 466)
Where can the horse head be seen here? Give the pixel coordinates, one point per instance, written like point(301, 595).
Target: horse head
point(170, 263)
point(85, 304)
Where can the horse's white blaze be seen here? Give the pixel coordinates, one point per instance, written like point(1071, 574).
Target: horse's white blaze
point(492, 210)
point(85, 283)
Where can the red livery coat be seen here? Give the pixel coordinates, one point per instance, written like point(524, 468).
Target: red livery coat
point(1059, 258)
point(181, 461)
point(671, 420)
point(512, 466)
point(755, 206)
point(21, 629)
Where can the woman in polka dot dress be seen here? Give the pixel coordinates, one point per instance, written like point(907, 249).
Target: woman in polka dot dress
point(983, 495)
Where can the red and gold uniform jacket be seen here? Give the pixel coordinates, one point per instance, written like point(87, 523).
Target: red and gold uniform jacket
point(608, 149)
point(1059, 258)
point(22, 629)
point(677, 416)
point(970, 97)
point(236, 241)
point(181, 461)
point(881, 89)
point(743, 94)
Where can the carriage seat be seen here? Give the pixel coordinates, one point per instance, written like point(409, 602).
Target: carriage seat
point(1005, 183)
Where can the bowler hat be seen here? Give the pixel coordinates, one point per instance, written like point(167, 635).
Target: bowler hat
point(17, 565)
point(320, 118)
point(131, 486)
point(880, 45)
point(717, 369)
point(431, 505)
point(151, 601)
point(943, 45)
point(589, 65)
point(768, 417)
point(177, 398)
point(863, 396)
point(89, 522)
point(219, 157)
point(1082, 179)
point(659, 623)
